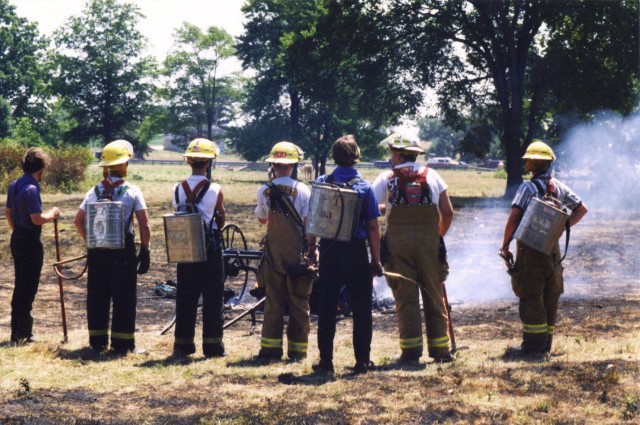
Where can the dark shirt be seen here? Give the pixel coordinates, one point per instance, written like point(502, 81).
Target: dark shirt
point(369, 210)
point(24, 199)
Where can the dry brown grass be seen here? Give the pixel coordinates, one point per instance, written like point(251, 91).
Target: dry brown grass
point(591, 377)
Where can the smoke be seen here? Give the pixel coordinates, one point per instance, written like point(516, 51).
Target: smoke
point(477, 274)
point(600, 160)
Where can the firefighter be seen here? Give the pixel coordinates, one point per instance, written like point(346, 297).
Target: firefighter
point(283, 206)
point(198, 194)
point(419, 213)
point(25, 218)
point(536, 277)
point(112, 272)
point(348, 263)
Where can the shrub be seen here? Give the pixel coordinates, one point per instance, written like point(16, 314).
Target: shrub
point(64, 174)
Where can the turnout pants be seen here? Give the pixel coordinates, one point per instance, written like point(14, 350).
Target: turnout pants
point(28, 256)
point(194, 280)
point(345, 263)
point(538, 283)
point(287, 289)
point(112, 278)
point(413, 241)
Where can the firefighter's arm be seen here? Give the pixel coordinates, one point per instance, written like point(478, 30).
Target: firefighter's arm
point(7, 215)
point(577, 214)
point(78, 221)
point(145, 228)
point(373, 237)
point(446, 212)
point(509, 231)
point(220, 214)
point(44, 217)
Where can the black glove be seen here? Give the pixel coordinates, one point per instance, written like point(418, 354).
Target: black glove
point(144, 259)
point(442, 251)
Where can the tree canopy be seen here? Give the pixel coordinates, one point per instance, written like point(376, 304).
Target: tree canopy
point(22, 77)
point(195, 94)
point(102, 78)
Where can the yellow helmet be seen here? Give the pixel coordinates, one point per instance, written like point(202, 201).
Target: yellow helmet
point(284, 153)
point(539, 150)
point(114, 153)
point(201, 148)
point(401, 142)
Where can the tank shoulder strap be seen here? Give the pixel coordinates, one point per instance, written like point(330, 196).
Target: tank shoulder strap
point(348, 184)
point(193, 197)
point(276, 195)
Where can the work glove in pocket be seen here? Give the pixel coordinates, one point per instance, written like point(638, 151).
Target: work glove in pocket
point(144, 259)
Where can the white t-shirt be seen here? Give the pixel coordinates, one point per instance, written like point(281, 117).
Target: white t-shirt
point(297, 192)
point(384, 185)
point(132, 199)
point(206, 206)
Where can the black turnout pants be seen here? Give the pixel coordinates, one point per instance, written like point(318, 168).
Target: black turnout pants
point(195, 279)
point(345, 263)
point(112, 277)
point(28, 256)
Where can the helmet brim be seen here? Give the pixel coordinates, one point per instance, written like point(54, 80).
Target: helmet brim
point(409, 149)
point(282, 160)
point(538, 156)
point(114, 162)
point(200, 155)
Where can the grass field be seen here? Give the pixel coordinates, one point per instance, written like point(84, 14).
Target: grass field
point(591, 376)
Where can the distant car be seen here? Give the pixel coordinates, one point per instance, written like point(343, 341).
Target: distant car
point(442, 162)
point(494, 164)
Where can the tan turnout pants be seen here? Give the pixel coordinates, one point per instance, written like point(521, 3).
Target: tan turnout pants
point(285, 292)
point(538, 282)
point(413, 241)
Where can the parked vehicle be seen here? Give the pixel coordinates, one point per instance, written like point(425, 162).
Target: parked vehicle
point(442, 162)
point(494, 164)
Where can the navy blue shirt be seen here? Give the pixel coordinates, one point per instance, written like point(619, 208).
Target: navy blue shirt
point(369, 210)
point(24, 199)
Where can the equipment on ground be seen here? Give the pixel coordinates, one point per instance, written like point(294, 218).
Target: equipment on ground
point(238, 262)
point(333, 212)
point(184, 237)
point(60, 283)
point(104, 225)
point(541, 226)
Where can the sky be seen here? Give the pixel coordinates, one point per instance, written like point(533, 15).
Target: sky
point(162, 18)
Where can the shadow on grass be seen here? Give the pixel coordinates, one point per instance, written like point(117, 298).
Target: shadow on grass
point(89, 354)
point(172, 361)
point(310, 379)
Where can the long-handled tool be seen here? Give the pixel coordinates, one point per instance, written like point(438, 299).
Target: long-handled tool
point(60, 283)
point(454, 347)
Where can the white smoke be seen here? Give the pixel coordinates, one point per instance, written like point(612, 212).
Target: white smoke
point(477, 274)
point(600, 160)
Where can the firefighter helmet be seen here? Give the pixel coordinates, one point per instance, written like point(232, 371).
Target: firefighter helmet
point(126, 144)
point(539, 150)
point(401, 142)
point(114, 153)
point(284, 153)
point(201, 148)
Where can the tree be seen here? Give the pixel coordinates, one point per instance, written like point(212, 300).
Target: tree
point(5, 113)
point(22, 78)
point(195, 93)
point(493, 57)
point(100, 74)
point(308, 66)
